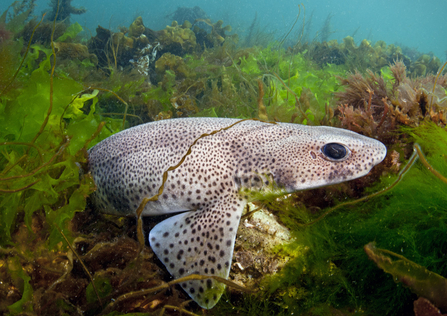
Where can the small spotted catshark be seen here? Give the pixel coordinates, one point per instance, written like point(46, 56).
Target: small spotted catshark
point(211, 187)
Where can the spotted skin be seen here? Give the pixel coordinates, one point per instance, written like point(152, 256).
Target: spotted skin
point(210, 187)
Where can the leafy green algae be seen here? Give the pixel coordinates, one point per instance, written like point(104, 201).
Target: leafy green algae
point(43, 138)
point(50, 153)
point(295, 88)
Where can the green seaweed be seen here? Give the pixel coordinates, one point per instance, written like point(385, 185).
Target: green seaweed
point(249, 65)
point(45, 135)
point(23, 163)
point(160, 97)
point(104, 288)
point(71, 32)
point(294, 87)
point(309, 90)
point(22, 305)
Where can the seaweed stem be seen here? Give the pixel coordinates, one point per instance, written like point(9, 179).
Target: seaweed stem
point(25, 144)
point(293, 26)
point(20, 189)
point(61, 149)
point(50, 109)
point(115, 52)
point(436, 81)
point(117, 96)
point(176, 308)
point(371, 92)
point(130, 115)
point(304, 22)
point(427, 165)
point(95, 134)
point(248, 214)
point(167, 285)
point(262, 111)
point(372, 248)
point(385, 112)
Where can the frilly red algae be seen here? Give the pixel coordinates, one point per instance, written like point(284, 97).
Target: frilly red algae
point(364, 104)
point(372, 107)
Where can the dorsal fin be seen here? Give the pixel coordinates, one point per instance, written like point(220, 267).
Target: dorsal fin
point(199, 242)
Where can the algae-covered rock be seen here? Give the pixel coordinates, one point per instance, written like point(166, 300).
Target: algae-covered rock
point(332, 43)
point(186, 24)
point(365, 45)
point(425, 64)
point(112, 49)
point(361, 57)
point(419, 69)
point(434, 64)
point(121, 40)
point(348, 43)
point(184, 105)
point(217, 34)
point(176, 35)
point(73, 51)
point(137, 27)
point(174, 63)
point(255, 255)
point(41, 33)
point(380, 44)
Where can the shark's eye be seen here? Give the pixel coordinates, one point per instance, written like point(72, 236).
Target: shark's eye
point(334, 151)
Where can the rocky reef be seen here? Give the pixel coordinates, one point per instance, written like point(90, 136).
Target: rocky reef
point(367, 56)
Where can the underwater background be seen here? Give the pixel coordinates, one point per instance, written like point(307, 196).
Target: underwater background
point(414, 23)
point(74, 72)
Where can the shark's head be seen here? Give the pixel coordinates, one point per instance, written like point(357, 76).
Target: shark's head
point(319, 156)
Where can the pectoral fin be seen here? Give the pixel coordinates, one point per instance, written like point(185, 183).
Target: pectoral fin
point(199, 242)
